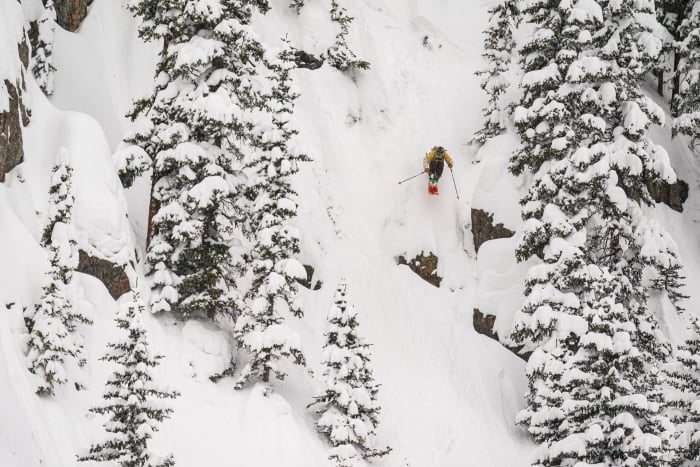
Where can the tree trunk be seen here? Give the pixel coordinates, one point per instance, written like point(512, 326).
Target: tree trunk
point(676, 78)
point(154, 204)
point(153, 207)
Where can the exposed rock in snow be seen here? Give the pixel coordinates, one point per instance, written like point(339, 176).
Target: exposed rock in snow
point(70, 13)
point(484, 229)
point(11, 123)
point(425, 266)
point(485, 324)
point(111, 275)
point(14, 53)
point(671, 194)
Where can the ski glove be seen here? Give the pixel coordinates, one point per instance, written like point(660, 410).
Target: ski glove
point(427, 170)
point(449, 164)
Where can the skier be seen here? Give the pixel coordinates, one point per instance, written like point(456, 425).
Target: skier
point(433, 164)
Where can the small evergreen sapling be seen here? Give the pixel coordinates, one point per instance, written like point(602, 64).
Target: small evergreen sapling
point(43, 67)
point(53, 337)
point(51, 344)
point(339, 55)
point(348, 405)
point(498, 48)
point(271, 204)
point(132, 401)
point(61, 198)
point(663, 260)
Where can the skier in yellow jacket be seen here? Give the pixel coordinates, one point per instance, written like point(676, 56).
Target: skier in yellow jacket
point(433, 164)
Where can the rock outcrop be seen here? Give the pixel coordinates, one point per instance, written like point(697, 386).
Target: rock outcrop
point(483, 228)
point(112, 276)
point(425, 266)
point(12, 119)
point(71, 13)
point(485, 324)
point(673, 195)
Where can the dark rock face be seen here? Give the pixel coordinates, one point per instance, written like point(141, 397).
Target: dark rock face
point(70, 13)
point(425, 266)
point(111, 275)
point(484, 230)
point(23, 52)
point(673, 195)
point(484, 324)
point(12, 120)
point(33, 34)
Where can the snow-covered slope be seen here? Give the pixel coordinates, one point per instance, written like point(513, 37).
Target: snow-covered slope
point(449, 395)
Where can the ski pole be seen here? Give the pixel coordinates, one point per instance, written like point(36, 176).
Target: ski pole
point(411, 178)
point(453, 181)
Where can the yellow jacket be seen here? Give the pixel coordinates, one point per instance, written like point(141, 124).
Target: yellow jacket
point(433, 155)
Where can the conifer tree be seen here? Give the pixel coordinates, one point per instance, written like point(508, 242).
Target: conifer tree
point(43, 67)
point(348, 404)
point(504, 18)
point(602, 404)
point(61, 199)
point(53, 337)
point(51, 344)
point(671, 14)
point(132, 401)
point(275, 244)
point(667, 269)
point(683, 375)
point(686, 104)
point(339, 55)
point(194, 128)
point(583, 120)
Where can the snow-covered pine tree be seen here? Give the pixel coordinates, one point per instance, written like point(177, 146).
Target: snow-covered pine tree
point(671, 15)
point(194, 128)
point(51, 344)
point(43, 67)
point(275, 243)
point(683, 376)
point(686, 104)
point(53, 337)
point(339, 55)
point(504, 18)
point(132, 400)
point(348, 404)
point(663, 259)
point(583, 122)
point(602, 404)
point(61, 198)
point(556, 206)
